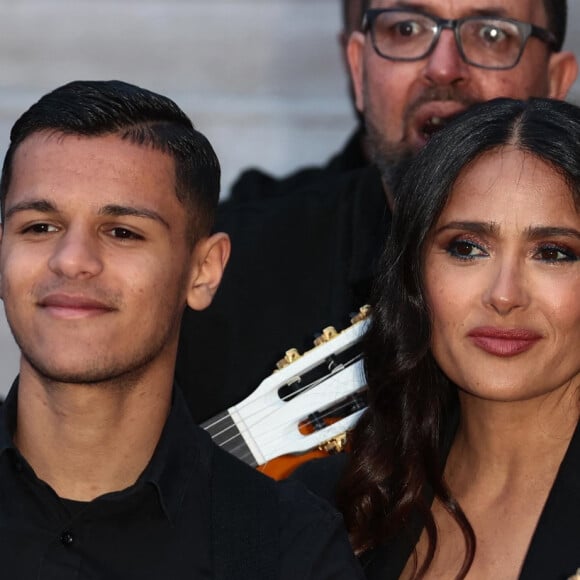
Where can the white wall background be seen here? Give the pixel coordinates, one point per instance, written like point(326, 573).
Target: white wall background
point(261, 78)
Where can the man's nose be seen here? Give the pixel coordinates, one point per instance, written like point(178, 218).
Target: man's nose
point(444, 65)
point(76, 255)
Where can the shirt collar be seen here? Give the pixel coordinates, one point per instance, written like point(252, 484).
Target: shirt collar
point(179, 456)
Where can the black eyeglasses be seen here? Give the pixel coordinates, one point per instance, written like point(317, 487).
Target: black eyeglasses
point(482, 41)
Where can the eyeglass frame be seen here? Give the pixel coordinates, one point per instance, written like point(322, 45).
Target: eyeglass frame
point(526, 29)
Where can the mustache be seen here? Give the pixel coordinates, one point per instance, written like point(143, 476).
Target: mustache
point(440, 94)
point(111, 299)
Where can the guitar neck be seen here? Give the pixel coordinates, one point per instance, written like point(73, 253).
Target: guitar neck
point(226, 434)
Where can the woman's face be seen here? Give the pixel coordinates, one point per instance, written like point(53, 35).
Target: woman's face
point(502, 279)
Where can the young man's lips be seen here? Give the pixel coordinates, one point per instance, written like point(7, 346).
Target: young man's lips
point(504, 342)
point(66, 306)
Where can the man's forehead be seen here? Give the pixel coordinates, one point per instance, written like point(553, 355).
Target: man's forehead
point(526, 10)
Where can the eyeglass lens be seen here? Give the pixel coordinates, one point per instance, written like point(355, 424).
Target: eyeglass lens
point(487, 42)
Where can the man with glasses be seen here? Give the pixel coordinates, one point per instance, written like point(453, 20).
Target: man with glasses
point(303, 261)
point(416, 65)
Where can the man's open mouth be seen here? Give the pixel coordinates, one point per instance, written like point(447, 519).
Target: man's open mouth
point(434, 124)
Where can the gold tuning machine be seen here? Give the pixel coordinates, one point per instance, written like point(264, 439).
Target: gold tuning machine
point(328, 333)
point(334, 445)
point(289, 357)
point(363, 312)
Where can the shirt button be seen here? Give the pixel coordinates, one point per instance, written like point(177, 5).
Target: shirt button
point(66, 538)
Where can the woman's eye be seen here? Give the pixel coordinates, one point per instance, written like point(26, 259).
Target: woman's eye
point(555, 254)
point(465, 250)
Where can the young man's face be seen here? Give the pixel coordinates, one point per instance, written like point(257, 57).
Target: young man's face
point(403, 102)
point(94, 260)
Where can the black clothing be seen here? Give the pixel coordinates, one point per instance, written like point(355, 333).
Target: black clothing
point(554, 551)
point(254, 184)
point(172, 523)
point(299, 263)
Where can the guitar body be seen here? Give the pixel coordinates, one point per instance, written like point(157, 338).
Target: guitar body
point(282, 467)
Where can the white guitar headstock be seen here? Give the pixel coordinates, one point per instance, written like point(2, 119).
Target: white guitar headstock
point(290, 411)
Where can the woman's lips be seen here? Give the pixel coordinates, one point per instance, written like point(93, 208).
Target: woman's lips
point(504, 342)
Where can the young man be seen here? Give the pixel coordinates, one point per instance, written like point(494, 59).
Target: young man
point(107, 201)
point(304, 261)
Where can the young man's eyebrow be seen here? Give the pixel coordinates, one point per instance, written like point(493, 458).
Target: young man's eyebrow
point(40, 205)
point(115, 210)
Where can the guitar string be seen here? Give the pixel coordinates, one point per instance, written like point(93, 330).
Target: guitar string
point(235, 449)
point(329, 414)
point(226, 416)
point(249, 424)
point(331, 411)
point(239, 434)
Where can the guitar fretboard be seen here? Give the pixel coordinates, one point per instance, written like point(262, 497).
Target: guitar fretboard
point(226, 435)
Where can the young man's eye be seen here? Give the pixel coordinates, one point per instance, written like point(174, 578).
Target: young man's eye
point(40, 228)
point(465, 250)
point(125, 234)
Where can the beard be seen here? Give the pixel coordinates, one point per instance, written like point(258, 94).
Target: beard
point(100, 363)
point(392, 158)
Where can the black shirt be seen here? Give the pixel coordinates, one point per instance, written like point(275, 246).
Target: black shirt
point(553, 553)
point(160, 527)
point(299, 263)
point(255, 184)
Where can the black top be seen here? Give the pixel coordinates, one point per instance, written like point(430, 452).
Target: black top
point(160, 527)
point(554, 551)
point(255, 184)
point(299, 263)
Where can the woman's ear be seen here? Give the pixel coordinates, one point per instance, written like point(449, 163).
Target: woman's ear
point(210, 257)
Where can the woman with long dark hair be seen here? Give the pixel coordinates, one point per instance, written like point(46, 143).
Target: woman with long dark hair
point(467, 461)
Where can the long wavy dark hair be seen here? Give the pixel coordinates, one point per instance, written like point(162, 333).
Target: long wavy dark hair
point(397, 460)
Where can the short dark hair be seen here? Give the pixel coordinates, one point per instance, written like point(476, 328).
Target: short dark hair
point(556, 11)
point(95, 108)
point(352, 19)
point(397, 445)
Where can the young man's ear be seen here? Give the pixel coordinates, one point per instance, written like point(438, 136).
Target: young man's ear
point(210, 257)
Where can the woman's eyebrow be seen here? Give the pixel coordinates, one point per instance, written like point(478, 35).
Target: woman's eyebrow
point(536, 232)
point(488, 228)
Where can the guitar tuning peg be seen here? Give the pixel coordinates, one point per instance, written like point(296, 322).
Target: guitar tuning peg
point(290, 356)
point(363, 312)
point(328, 333)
